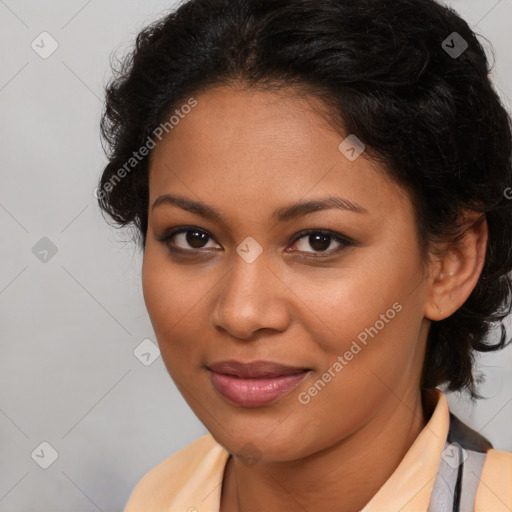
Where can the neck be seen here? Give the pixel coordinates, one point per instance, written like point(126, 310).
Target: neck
point(341, 478)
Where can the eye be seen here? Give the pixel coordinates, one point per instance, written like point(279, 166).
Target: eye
point(190, 239)
point(186, 239)
point(320, 241)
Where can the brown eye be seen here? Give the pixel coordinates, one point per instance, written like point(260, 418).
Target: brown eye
point(187, 240)
point(321, 242)
point(196, 239)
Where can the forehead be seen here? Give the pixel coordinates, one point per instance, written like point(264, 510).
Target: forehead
point(271, 147)
point(235, 125)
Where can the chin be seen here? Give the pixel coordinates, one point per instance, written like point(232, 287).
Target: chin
point(252, 443)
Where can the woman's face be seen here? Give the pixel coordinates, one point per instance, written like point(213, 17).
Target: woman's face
point(258, 282)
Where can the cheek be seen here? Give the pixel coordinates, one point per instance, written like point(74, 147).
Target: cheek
point(362, 364)
point(177, 310)
point(157, 287)
point(370, 318)
point(168, 297)
point(340, 306)
point(168, 293)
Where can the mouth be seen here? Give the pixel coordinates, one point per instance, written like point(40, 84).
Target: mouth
point(256, 383)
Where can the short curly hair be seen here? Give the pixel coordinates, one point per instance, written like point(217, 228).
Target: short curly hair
point(430, 116)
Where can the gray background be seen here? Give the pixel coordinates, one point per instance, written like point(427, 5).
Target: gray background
point(70, 324)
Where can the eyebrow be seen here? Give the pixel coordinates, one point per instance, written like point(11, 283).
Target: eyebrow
point(282, 214)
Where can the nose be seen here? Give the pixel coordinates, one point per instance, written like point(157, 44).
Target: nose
point(251, 299)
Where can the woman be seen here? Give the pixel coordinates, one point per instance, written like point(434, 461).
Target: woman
point(318, 188)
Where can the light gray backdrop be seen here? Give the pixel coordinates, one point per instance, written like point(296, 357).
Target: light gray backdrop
point(74, 397)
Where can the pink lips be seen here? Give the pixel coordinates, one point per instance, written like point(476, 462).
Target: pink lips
point(256, 383)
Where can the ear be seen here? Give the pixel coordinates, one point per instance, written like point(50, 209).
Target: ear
point(454, 275)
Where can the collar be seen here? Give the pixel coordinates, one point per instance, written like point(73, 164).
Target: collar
point(192, 478)
point(409, 488)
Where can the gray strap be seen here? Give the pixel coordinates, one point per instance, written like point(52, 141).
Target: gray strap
point(443, 493)
point(444, 486)
point(471, 478)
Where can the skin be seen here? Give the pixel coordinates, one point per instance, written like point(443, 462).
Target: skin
point(247, 153)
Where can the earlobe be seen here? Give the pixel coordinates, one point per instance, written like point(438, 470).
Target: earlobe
point(455, 274)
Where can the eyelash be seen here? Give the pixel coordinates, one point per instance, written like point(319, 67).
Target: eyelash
point(166, 237)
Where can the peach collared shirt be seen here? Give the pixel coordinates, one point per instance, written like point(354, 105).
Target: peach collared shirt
point(191, 479)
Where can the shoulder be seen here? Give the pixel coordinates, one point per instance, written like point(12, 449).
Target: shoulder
point(182, 475)
point(495, 490)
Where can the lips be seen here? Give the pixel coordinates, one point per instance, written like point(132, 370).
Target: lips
point(255, 369)
point(255, 383)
